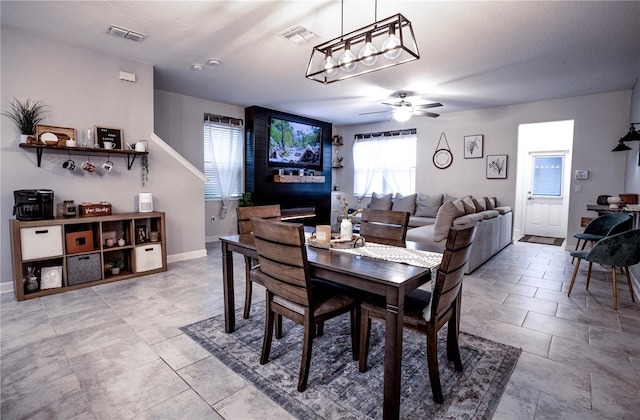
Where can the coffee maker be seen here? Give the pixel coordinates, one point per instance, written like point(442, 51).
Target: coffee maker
point(33, 204)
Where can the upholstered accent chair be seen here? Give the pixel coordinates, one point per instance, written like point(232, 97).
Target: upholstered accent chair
point(602, 226)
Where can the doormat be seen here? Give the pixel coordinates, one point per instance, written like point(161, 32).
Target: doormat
point(336, 389)
point(545, 240)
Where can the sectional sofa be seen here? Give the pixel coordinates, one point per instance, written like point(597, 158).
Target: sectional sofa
point(433, 215)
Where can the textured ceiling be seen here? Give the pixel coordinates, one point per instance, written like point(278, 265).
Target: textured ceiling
point(473, 54)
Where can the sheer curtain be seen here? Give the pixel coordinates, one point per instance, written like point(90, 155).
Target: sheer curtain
point(384, 162)
point(223, 162)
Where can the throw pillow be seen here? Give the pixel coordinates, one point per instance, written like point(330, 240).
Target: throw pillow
point(469, 206)
point(404, 203)
point(380, 201)
point(428, 205)
point(481, 205)
point(447, 213)
point(491, 202)
point(448, 197)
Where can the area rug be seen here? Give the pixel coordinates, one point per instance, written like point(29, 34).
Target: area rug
point(337, 390)
point(545, 240)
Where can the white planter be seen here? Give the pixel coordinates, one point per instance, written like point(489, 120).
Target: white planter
point(346, 229)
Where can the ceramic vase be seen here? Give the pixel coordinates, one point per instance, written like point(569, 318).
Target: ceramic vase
point(346, 229)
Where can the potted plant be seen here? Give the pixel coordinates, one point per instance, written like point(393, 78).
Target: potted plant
point(245, 200)
point(115, 267)
point(26, 116)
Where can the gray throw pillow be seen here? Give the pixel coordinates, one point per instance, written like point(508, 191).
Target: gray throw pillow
point(469, 206)
point(481, 205)
point(444, 220)
point(404, 203)
point(491, 203)
point(428, 205)
point(380, 201)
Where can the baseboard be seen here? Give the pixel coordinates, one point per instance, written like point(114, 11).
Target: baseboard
point(6, 287)
point(187, 256)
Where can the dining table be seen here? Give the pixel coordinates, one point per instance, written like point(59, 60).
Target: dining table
point(390, 279)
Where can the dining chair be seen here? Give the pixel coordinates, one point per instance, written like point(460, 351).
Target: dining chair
point(427, 312)
point(618, 250)
point(385, 227)
point(601, 226)
point(291, 292)
point(271, 212)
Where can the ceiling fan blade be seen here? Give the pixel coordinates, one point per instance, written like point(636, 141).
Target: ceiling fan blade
point(375, 112)
point(387, 103)
point(433, 105)
point(425, 113)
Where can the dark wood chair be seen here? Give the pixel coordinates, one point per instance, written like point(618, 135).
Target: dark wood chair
point(270, 212)
point(419, 316)
point(384, 226)
point(285, 272)
point(619, 250)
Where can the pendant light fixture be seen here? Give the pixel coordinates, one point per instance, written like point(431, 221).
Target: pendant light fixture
point(632, 135)
point(382, 44)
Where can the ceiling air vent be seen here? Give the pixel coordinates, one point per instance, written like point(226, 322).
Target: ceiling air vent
point(125, 33)
point(299, 35)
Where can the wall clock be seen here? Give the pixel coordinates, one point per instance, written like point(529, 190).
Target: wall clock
point(442, 158)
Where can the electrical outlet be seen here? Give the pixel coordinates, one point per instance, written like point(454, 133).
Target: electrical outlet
point(213, 219)
point(578, 188)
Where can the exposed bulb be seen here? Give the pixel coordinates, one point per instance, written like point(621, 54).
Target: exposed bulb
point(402, 114)
point(330, 65)
point(348, 61)
point(367, 54)
point(391, 46)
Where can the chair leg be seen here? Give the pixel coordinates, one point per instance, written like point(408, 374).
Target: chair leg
point(432, 363)
point(615, 289)
point(577, 244)
point(365, 329)
point(247, 289)
point(589, 274)
point(319, 329)
point(268, 331)
point(307, 347)
point(626, 271)
point(355, 333)
point(573, 278)
point(278, 326)
point(453, 345)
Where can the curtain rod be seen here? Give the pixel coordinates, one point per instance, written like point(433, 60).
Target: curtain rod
point(222, 119)
point(386, 133)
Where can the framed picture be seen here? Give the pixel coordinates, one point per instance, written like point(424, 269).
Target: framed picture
point(141, 234)
point(109, 134)
point(496, 166)
point(473, 146)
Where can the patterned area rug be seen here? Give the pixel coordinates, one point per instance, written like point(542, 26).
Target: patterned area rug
point(336, 389)
point(545, 240)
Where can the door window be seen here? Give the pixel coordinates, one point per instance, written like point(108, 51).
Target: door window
point(547, 176)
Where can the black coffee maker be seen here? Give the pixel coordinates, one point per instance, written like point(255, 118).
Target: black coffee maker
point(33, 204)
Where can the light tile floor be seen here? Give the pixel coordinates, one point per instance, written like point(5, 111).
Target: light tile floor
point(115, 351)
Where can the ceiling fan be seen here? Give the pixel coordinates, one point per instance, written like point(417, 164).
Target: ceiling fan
point(403, 109)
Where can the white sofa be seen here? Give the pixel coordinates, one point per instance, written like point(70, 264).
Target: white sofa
point(433, 215)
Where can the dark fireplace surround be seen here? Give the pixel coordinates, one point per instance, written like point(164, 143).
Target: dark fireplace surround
point(295, 199)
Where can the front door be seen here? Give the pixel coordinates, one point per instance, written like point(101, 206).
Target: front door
point(546, 195)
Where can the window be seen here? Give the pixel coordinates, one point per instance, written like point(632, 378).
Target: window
point(223, 157)
point(547, 175)
point(385, 162)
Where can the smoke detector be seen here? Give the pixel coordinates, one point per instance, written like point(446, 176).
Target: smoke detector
point(125, 33)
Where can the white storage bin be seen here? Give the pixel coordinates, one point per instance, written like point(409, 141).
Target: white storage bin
point(41, 242)
point(148, 257)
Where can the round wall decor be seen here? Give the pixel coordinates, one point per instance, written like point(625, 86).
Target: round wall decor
point(442, 158)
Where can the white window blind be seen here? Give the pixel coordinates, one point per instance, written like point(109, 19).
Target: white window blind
point(385, 163)
point(547, 176)
point(223, 157)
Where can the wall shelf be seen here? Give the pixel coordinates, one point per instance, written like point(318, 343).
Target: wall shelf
point(314, 179)
point(39, 148)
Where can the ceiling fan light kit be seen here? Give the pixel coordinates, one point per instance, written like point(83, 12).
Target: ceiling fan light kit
point(380, 45)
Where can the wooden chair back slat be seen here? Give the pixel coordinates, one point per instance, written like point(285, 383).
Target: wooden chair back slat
point(386, 227)
point(270, 212)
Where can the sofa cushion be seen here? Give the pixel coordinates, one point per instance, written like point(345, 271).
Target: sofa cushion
point(428, 205)
point(481, 205)
point(424, 235)
point(503, 209)
point(490, 203)
point(448, 197)
point(469, 206)
point(489, 214)
point(415, 221)
point(404, 203)
point(468, 218)
point(380, 201)
point(444, 220)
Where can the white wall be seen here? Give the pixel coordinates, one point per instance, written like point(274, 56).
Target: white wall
point(81, 89)
point(599, 121)
point(179, 121)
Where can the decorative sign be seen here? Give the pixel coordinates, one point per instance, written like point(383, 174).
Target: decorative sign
point(109, 134)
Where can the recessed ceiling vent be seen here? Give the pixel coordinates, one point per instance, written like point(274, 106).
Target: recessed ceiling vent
point(125, 33)
point(299, 35)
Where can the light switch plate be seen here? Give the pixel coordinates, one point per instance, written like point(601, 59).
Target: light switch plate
point(582, 174)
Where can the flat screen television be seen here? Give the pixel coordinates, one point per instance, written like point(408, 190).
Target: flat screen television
point(294, 144)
